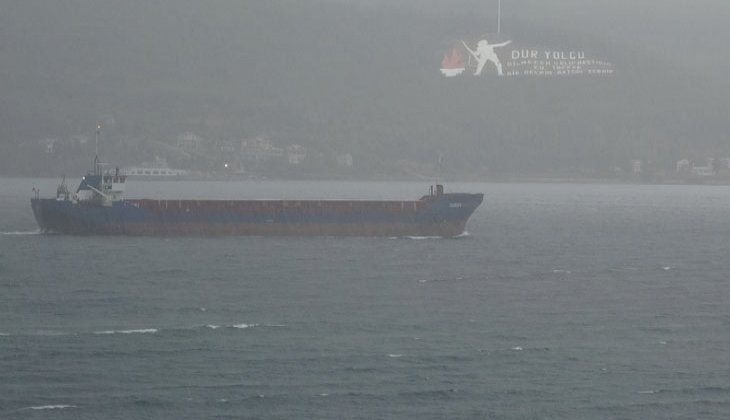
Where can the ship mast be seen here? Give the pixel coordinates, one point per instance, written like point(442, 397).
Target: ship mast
point(97, 164)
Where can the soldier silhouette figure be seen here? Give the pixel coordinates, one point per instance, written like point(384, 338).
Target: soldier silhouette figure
point(484, 53)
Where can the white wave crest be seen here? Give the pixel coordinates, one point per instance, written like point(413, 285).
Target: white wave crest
point(22, 233)
point(243, 325)
point(394, 355)
point(140, 331)
point(50, 407)
point(212, 327)
point(41, 333)
point(44, 333)
point(421, 238)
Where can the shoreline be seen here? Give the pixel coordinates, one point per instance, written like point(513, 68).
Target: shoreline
point(499, 180)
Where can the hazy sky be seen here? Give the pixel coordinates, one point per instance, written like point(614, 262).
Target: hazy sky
point(362, 75)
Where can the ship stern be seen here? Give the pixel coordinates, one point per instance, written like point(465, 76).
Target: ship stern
point(39, 214)
point(51, 214)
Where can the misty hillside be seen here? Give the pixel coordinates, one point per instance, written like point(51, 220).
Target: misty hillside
point(338, 78)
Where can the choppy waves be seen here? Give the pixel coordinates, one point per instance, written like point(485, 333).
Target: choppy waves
point(148, 331)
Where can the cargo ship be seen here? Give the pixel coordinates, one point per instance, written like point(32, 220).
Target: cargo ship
point(98, 207)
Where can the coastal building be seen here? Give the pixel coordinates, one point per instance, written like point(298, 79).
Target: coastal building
point(190, 142)
point(49, 145)
point(636, 166)
point(107, 120)
point(226, 147)
point(79, 139)
point(344, 161)
point(683, 166)
point(707, 170)
point(155, 169)
point(260, 149)
point(296, 154)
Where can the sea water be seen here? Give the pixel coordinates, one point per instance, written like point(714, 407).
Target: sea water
point(564, 301)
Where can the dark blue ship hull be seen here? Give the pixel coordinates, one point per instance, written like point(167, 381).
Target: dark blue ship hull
point(433, 215)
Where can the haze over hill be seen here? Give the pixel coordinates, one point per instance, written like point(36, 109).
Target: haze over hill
point(361, 79)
